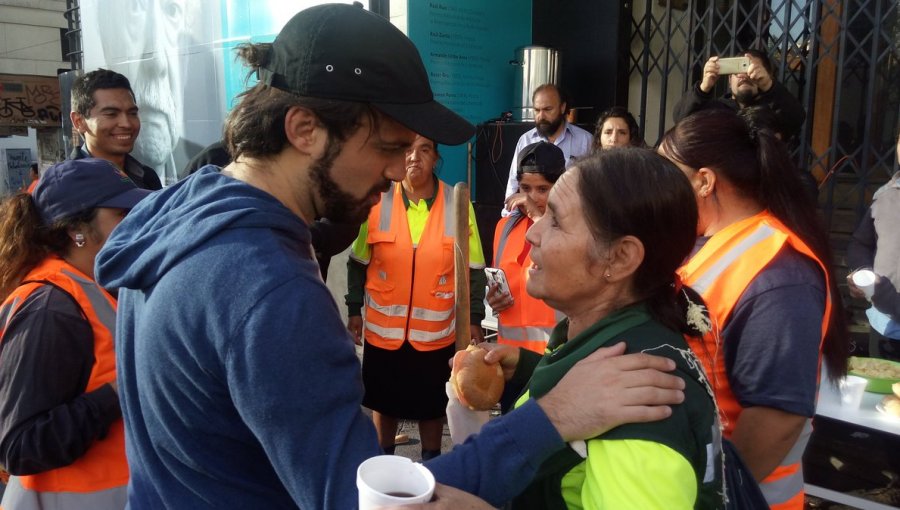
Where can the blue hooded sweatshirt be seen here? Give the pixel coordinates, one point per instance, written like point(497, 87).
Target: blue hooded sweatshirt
point(239, 384)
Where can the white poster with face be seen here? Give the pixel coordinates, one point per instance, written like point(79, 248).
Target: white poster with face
point(179, 57)
point(171, 53)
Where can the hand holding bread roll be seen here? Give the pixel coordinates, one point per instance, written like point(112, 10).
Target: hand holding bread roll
point(478, 384)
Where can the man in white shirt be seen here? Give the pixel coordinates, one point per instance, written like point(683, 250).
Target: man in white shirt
point(550, 126)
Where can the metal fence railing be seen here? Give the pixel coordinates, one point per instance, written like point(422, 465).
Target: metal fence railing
point(840, 57)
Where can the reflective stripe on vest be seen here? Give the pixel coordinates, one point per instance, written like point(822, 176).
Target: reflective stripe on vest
point(101, 305)
point(529, 322)
point(102, 468)
point(782, 486)
point(712, 274)
point(431, 315)
point(17, 497)
point(387, 209)
point(721, 271)
point(7, 311)
point(507, 229)
point(419, 335)
point(387, 333)
point(409, 288)
point(389, 310)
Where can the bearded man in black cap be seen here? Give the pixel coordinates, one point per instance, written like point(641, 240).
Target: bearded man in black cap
point(248, 395)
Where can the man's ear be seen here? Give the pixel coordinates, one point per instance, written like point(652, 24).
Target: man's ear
point(78, 121)
point(625, 256)
point(304, 132)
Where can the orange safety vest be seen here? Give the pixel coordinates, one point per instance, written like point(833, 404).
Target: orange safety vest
point(409, 289)
point(720, 272)
point(99, 479)
point(529, 321)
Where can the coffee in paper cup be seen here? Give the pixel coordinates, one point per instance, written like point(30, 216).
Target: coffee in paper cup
point(391, 480)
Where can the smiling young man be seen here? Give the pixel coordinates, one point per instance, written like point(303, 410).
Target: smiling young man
point(105, 114)
point(240, 386)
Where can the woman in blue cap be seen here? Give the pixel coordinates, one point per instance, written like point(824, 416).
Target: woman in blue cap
point(61, 431)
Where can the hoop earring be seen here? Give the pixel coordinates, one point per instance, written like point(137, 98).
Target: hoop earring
point(79, 240)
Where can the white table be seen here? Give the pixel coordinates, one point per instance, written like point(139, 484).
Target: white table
point(829, 406)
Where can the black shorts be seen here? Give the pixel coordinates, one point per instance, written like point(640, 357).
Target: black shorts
point(406, 383)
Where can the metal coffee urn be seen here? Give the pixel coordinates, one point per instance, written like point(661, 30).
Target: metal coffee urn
point(536, 65)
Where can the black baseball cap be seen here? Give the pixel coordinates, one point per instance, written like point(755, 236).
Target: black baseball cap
point(340, 51)
point(542, 158)
point(74, 186)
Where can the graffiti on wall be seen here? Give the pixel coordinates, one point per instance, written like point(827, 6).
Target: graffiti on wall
point(31, 101)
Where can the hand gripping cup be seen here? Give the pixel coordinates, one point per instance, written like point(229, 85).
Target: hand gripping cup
point(864, 281)
point(391, 480)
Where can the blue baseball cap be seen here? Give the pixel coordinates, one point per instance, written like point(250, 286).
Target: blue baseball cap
point(74, 186)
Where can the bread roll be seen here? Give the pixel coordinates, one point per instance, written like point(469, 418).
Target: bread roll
point(478, 385)
point(896, 388)
point(891, 405)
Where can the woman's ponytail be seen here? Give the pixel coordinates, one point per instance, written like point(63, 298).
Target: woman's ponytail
point(20, 245)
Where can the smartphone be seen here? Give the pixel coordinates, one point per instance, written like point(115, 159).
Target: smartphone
point(496, 275)
point(733, 65)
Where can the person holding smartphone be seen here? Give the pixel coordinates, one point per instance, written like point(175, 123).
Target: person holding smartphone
point(756, 86)
point(524, 321)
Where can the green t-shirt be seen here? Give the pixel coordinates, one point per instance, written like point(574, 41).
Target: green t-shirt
point(670, 464)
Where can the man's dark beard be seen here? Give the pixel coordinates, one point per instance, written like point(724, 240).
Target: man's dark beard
point(546, 129)
point(340, 206)
point(744, 96)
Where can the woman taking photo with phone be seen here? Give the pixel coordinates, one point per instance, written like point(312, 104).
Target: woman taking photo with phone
point(524, 321)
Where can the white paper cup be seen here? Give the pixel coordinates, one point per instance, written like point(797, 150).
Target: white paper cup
point(865, 281)
point(852, 389)
point(391, 480)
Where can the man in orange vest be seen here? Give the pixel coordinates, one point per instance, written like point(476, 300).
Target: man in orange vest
point(35, 176)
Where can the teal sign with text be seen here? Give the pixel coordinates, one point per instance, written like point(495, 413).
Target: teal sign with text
point(467, 46)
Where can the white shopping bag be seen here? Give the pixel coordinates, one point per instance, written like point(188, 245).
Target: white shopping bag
point(463, 422)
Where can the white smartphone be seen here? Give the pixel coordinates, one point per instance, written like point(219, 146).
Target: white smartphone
point(733, 65)
point(496, 275)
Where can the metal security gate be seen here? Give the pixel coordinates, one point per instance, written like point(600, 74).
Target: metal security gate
point(841, 58)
